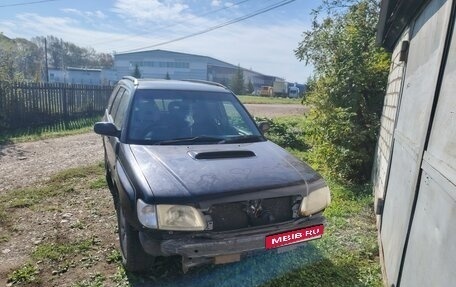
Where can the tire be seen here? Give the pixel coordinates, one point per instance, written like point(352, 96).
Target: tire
point(134, 258)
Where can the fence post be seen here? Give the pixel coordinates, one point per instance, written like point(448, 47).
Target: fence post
point(65, 103)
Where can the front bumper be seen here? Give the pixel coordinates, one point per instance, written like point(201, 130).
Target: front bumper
point(206, 247)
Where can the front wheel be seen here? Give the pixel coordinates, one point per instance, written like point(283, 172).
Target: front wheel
point(134, 258)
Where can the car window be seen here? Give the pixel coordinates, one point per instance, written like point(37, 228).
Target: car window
point(113, 96)
point(234, 117)
point(163, 115)
point(115, 104)
point(120, 113)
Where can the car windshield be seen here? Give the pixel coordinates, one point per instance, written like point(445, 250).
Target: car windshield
point(169, 117)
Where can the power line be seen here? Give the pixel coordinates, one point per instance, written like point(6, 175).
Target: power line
point(27, 3)
point(230, 22)
point(174, 24)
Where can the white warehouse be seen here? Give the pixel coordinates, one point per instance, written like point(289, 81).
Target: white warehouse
point(160, 63)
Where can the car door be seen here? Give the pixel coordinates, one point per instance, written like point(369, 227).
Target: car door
point(115, 116)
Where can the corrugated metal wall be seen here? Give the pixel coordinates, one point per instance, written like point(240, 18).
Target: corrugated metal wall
point(388, 121)
point(415, 169)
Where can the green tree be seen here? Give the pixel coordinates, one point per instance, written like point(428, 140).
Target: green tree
point(7, 70)
point(250, 87)
point(136, 72)
point(346, 94)
point(19, 60)
point(237, 82)
point(63, 54)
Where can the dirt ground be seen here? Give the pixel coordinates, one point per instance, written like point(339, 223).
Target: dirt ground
point(80, 213)
point(29, 163)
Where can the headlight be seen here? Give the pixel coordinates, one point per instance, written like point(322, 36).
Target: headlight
point(180, 217)
point(147, 214)
point(315, 201)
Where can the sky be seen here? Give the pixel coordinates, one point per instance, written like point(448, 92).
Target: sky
point(264, 43)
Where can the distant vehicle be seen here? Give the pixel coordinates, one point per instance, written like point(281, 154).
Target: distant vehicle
point(191, 174)
point(280, 88)
point(266, 91)
point(256, 92)
point(293, 92)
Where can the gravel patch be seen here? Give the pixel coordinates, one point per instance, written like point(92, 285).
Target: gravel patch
point(26, 163)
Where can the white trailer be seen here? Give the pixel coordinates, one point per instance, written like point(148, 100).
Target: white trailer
point(280, 88)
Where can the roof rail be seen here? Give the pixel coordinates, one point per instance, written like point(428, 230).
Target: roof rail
point(205, 82)
point(133, 79)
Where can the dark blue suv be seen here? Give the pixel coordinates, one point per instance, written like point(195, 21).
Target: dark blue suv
point(191, 174)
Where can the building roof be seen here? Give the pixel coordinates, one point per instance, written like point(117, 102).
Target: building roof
point(395, 15)
point(82, 69)
point(75, 69)
point(173, 52)
point(210, 60)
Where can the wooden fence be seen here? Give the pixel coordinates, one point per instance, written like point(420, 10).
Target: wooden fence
point(28, 105)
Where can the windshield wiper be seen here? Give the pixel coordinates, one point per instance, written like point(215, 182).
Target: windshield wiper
point(197, 139)
point(243, 139)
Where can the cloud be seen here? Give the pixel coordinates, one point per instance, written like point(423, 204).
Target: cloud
point(87, 15)
point(150, 10)
point(216, 3)
point(46, 21)
point(268, 49)
point(98, 14)
point(231, 4)
point(72, 11)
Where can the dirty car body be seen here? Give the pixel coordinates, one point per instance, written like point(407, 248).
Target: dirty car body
point(192, 175)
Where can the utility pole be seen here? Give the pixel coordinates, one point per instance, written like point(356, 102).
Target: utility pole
point(46, 58)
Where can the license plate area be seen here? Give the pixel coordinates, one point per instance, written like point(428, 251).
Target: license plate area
point(294, 236)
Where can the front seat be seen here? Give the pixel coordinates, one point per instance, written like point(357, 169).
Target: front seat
point(178, 124)
point(145, 120)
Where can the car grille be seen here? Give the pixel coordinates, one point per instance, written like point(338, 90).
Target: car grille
point(236, 215)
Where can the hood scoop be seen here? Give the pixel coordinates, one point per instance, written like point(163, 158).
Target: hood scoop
point(221, 154)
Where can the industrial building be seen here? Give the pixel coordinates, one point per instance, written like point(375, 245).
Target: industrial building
point(160, 64)
point(178, 66)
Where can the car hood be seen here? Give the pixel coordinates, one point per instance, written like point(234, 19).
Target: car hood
point(191, 173)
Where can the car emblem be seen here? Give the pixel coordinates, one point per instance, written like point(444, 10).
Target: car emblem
point(255, 208)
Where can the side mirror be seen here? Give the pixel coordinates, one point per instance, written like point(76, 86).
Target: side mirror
point(106, 129)
point(263, 126)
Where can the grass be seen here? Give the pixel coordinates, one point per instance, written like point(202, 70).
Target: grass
point(248, 99)
point(58, 251)
point(287, 131)
point(73, 127)
point(96, 280)
point(98, 183)
point(349, 246)
point(25, 274)
point(114, 256)
point(63, 182)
